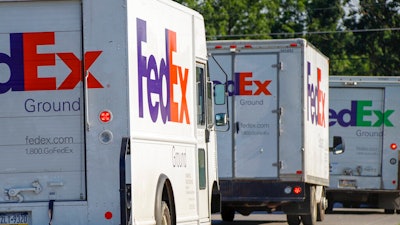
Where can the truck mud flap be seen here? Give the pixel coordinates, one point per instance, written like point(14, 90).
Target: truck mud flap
point(125, 189)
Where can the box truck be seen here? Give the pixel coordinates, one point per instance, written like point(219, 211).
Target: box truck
point(105, 114)
point(366, 112)
point(273, 154)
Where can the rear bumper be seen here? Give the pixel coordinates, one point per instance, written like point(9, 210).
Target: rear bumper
point(388, 199)
point(259, 192)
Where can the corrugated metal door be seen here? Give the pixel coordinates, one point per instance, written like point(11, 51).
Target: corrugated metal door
point(41, 98)
point(256, 115)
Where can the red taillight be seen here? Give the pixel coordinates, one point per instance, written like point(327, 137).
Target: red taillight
point(218, 46)
point(293, 44)
point(108, 215)
point(105, 116)
point(248, 46)
point(297, 190)
point(299, 172)
point(393, 146)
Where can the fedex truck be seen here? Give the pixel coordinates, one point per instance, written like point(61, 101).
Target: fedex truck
point(273, 154)
point(106, 114)
point(366, 112)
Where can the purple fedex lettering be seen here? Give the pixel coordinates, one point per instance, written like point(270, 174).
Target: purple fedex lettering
point(24, 62)
point(155, 74)
point(315, 99)
point(14, 61)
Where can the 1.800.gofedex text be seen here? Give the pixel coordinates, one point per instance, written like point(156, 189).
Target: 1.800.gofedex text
point(48, 151)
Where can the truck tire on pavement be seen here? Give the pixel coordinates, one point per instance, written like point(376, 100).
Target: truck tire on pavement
point(321, 212)
point(166, 216)
point(227, 214)
point(311, 219)
point(293, 219)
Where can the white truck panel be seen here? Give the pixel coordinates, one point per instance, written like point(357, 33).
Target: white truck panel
point(316, 136)
point(390, 176)
point(293, 110)
point(33, 122)
point(46, 15)
point(364, 141)
point(153, 44)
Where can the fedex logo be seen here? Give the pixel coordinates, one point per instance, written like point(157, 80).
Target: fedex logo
point(245, 85)
point(315, 99)
point(163, 79)
point(356, 116)
point(24, 62)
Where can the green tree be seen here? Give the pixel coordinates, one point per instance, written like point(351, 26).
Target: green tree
point(376, 35)
point(291, 19)
point(325, 31)
point(238, 19)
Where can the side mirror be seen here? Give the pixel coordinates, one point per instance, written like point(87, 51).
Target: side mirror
point(338, 146)
point(221, 119)
point(219, 94)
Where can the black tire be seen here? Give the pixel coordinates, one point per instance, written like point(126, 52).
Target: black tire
point(320, 213)
point(227, 214)
point(329, 210)
point(389, 211)
point(165, 214)
point(293, 219)
point(311, 219)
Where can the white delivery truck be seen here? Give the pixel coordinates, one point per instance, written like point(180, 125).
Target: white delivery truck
point(105, 115)
point(274, 152)
point(365, 111)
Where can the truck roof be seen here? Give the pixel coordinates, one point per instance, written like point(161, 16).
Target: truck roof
point(364, 80)
point(260, 44)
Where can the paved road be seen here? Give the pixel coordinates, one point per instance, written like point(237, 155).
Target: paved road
point(339, 217)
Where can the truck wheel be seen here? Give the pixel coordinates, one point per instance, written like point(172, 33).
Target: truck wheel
point(311, 219)
point(329, 210)
point(293, 219)
point(166, 216)
point(320, 213)
point(389, 211)
point(227, 214)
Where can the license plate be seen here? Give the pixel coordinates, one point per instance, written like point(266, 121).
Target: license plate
point(348, 183)
point(14, 218)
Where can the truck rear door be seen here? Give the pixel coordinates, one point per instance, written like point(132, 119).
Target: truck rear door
point(42, 102)
point(356, 114)
point(252, 149)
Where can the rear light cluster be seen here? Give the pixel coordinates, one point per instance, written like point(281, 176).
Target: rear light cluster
point(105, 116)
point(293, 190)
point(393, 161)
point(106, 136)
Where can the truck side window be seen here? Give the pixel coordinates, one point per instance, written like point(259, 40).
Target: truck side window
point(200, 81)
point(210, 117)
point(202, 169)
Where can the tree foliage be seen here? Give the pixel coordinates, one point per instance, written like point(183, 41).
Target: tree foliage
point(359, 39)
point(227, 19)
point(375, 41)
